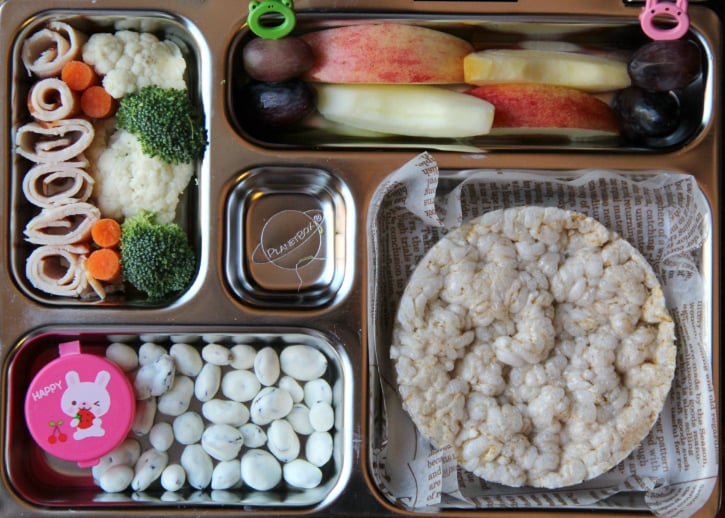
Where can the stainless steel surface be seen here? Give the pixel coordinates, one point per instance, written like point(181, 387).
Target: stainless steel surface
point(210, 303)
point(288, 238)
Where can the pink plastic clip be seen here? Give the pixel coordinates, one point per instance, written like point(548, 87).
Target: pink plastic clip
point(654, 9)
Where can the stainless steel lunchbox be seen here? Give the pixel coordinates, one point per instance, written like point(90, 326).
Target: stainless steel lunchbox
point(283, 230)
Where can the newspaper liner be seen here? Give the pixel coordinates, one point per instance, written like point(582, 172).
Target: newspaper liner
point(667, 218)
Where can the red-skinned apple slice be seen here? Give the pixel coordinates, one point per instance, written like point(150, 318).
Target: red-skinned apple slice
point(526, 108)
point(386, 54)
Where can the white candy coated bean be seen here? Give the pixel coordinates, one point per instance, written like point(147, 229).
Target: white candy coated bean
point(282, 441)
point(127, 453)
point(222, 441)
point(302, 474)
point(293, 387)
point(161, 436)
point(143, 418)
point(299, 418)
point(254, 435)
point(148, 468)
point(260, 470)
point(318, 449)
point(177, 399)
point(216, 354)
point(188, 428)
point(207, 382)
point(226, 474)
point(173, 477)
point(187, 359)
point(149, 352)
point(243, 356)
point(240, 385)
point(222, 411)
point(266, 366)
point(271, 403)
point(303, 362)
point(322, 417)
point(198, 466)
point(142, 381)
point(122, 355)
point(116, 478)
point(154, 379)
point(317, 391)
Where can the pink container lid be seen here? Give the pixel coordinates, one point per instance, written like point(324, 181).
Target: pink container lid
point(80, 406)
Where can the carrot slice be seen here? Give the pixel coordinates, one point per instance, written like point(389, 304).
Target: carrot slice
point(97, 103)
point(79, 75)
point(106, 232)
point(104, 264)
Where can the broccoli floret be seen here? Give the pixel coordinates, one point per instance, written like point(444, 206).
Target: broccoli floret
point(165, 122)
point(156, 258)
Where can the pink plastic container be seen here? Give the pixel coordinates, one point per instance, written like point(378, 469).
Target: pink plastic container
point(79, 406)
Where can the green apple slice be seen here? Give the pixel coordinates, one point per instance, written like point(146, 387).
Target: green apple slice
point(413, 110)
point(582, 71)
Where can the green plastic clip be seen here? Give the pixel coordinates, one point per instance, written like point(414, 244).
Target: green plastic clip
point(257, 10)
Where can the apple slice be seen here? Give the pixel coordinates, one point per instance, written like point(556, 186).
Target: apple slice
point(413, 110)
point(582, 71)
point(526, 108)
point(386, 53)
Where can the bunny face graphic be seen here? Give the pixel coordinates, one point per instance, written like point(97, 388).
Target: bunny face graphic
point(85, 402)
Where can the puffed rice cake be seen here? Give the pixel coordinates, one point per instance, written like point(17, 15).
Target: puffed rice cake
point(537, 343)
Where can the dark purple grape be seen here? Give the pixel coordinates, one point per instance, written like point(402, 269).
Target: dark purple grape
point(645, 114)
point(276, 104)
point(660, 66)
point(277, 60)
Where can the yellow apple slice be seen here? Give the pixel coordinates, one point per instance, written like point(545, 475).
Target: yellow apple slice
point(582, 71)
point(530, 108)
point(386, 53)
point(413, 110)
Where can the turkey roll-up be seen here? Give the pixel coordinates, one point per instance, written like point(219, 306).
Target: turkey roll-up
point(57, 142)
point(50, 185)
point(48, 50)
point(62, 225)
point(51, 100)
point(58, 270)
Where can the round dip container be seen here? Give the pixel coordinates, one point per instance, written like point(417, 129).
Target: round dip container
point(80, 406)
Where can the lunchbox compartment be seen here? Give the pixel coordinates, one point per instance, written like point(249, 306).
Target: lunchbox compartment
point(614, 37)
point(46, 482)
point(163, 25)
point(615, 198)
point(288, 237)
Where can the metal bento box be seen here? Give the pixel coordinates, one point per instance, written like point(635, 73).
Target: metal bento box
point(301, 232)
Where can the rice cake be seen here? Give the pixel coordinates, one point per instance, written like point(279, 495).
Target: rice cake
point(537, 343)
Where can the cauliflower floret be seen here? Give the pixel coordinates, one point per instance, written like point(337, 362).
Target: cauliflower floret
point(130, 60)
point(127, 180)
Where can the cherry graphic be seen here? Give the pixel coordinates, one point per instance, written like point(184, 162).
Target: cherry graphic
point(56, 434)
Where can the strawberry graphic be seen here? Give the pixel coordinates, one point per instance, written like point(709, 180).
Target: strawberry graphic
point(85, 418)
